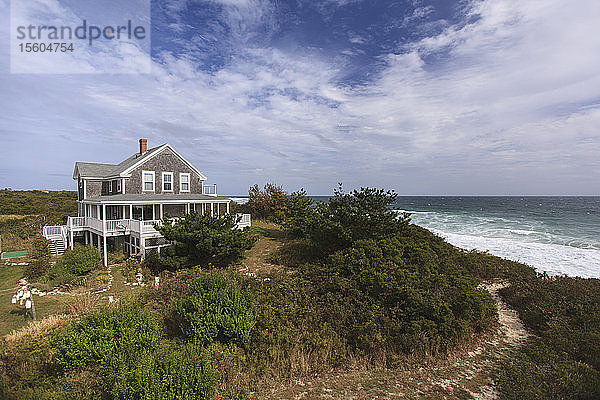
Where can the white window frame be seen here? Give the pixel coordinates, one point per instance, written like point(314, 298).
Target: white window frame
point(153, 181)
point(163, 181)
point(189, 182)
point(118, 186)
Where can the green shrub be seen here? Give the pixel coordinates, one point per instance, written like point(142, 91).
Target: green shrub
point(540, 372)
point(346, 218)
point(108, 338)
point(41, 260)
point(383, 302)
point(173, 372)
point(79, 261)
point(216, 309)
point(114, 353)
point(26, 367)
point(131, 266)
point(294, 333)
point(203, 240)
point(157, 263)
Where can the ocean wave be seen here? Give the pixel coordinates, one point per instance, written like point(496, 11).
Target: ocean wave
point(555, 259)
point(414, 212)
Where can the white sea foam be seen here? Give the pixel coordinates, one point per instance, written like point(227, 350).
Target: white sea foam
point(555, 259)
point(239, 200)
point(414, 212)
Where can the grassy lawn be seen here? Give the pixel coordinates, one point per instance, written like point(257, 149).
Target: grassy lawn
point(12, 317)
point(9, 319)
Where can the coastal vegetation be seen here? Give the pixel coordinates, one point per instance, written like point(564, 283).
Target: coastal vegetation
point(352, 282)
point(24, 213)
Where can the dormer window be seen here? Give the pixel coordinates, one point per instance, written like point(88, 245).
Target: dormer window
point(148, 181)
point(167, 180)
point(184, 182)
point(119, 186)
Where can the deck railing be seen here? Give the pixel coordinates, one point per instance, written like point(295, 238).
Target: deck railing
point(210, 190)
point(149, 226)
point(56, 230)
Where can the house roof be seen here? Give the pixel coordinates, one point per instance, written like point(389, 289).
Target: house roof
point(156, 198)
point(104, 171)
point(92, 169)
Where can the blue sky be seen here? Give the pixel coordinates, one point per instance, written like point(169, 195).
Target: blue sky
point(424, 97)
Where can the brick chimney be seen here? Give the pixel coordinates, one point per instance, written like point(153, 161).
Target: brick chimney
point(143, 145)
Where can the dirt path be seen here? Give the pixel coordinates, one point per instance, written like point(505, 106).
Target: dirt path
point(465, 374)
point(270, 239)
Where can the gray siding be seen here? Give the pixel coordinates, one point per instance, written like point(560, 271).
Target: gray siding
point(166, 161)
point(93, 188)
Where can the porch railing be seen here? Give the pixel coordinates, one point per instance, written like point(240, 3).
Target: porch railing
point(122, 226)
point(244, 221)
point(76, 222)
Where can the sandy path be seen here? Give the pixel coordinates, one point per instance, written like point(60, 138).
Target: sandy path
point(467, 373)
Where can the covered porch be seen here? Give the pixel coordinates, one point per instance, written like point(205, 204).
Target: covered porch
point(134, 217)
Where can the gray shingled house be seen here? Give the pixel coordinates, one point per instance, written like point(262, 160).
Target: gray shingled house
point(118, 205)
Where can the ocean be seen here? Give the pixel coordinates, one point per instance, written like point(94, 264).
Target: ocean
point(558, 235)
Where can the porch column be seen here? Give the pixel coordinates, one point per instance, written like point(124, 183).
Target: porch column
point(71, 233)
point(187, 208)
point(161, 211)
point(227, 207)
point(104, 234)
point(212, 209)
point(98, 242)
point(131, 211)
point(85, 235)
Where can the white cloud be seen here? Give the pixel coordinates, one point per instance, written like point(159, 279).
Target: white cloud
point(509, 107)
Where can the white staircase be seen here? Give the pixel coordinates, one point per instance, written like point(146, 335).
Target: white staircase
point(57, 236)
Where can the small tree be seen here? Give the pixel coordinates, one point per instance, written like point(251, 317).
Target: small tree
point(299, 211)
point(348, 217)
point(268, 203)
point(202, 239)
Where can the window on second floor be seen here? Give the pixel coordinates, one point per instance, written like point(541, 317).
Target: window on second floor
point(148, 181)
point(119, 186)
point(184, 182)
point(167, 180)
